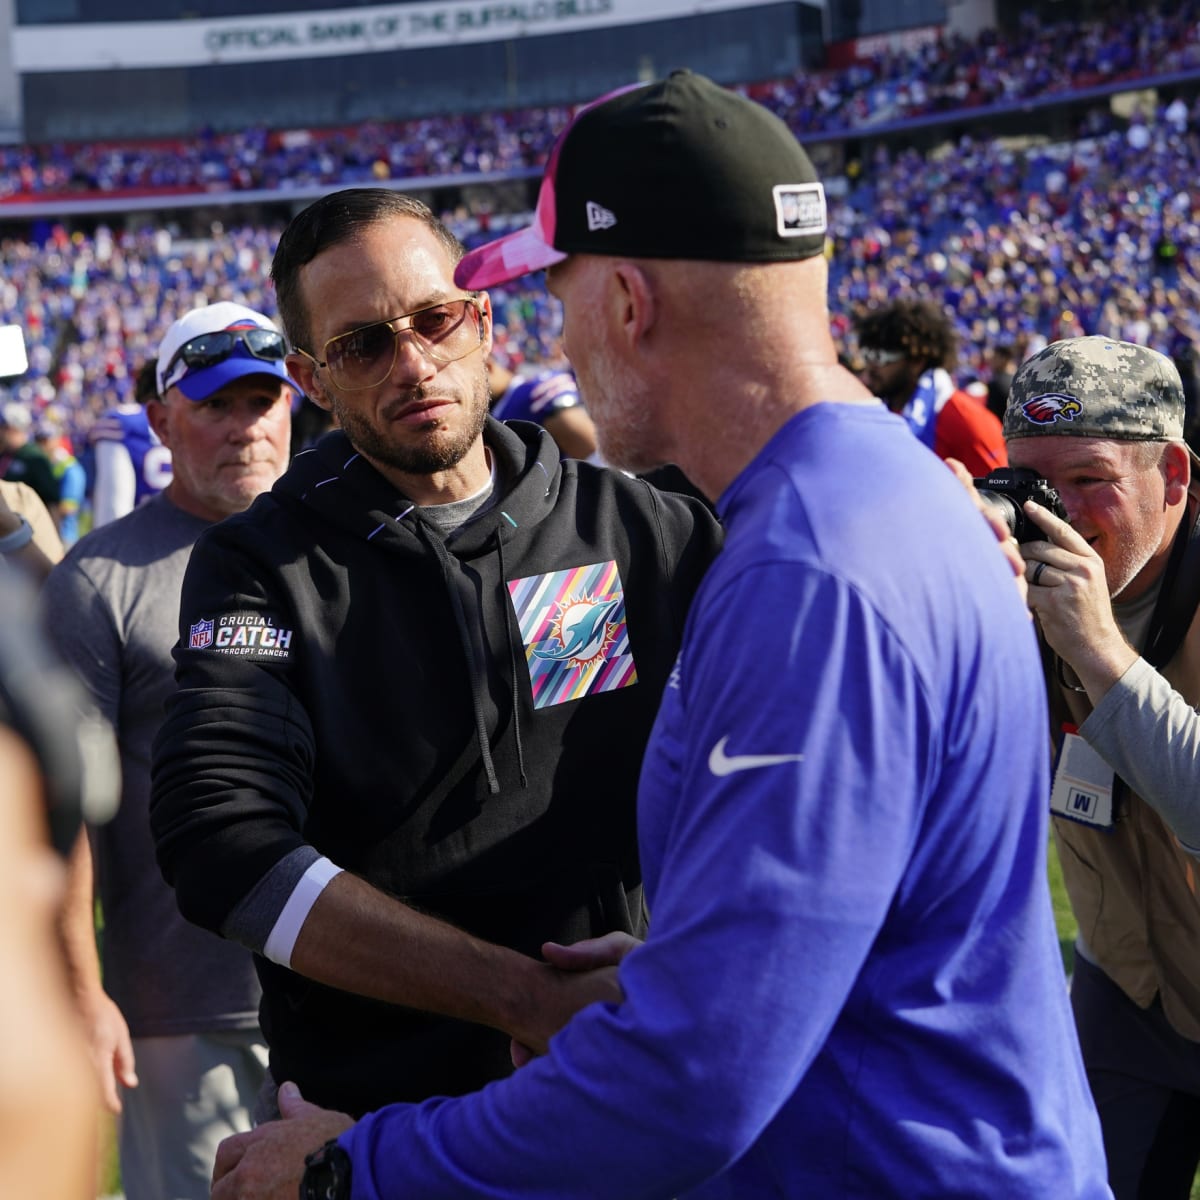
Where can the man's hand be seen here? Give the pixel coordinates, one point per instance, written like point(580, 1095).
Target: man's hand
point(1008, 543)
point(589, 970)
point(1068, 593)
point(268, 1162)
point(109, 1047)
point(109, 1044)
point(606, 951)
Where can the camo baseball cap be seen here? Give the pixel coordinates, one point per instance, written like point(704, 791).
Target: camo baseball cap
point(1096, 387)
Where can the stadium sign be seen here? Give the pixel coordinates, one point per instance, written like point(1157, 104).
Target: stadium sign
point(189, 43)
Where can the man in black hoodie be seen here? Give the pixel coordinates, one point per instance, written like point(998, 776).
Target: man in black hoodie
point(414, 687)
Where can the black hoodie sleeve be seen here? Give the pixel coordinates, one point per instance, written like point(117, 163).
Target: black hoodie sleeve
point(233, 760)
point(690, 536)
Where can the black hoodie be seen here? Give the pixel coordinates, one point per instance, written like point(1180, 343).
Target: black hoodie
point(352, 680)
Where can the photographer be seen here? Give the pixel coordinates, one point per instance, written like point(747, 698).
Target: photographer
point(1115, 593)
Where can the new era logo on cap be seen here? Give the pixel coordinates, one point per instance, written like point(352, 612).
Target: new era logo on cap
point(598, 217)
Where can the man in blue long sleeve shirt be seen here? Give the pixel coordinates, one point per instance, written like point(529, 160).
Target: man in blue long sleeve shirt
point(851, 985)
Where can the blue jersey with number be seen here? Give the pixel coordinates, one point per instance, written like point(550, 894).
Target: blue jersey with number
point(536, 397)
point(128, 427)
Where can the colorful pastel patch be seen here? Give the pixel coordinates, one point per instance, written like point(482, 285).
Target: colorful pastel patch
point(573, 627)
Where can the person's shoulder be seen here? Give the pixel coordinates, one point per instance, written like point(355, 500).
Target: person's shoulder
point(31, 452)
point(633, 491)
point(552, 385)
point(118, 423)
point(974, 413)
point(269, 527)
point(138, 531)
point(21, 498)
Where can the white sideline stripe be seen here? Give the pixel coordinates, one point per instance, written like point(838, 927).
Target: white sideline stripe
point(281, 941)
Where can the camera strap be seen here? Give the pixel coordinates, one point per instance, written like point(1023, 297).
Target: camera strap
point(1179, 597)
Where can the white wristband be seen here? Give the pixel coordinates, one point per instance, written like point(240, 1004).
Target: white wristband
point(18, 539)
point(281, 941)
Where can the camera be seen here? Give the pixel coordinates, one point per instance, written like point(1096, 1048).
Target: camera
point(1005, 491)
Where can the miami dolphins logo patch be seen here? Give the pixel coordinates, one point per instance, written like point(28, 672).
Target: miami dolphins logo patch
point(1051, 407)
point(573, 627)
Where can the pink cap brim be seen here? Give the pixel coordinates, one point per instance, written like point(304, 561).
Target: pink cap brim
point(509, 257)
point(531, 249)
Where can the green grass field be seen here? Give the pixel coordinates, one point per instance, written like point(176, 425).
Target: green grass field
point(110, 1167)
point(1064, 919)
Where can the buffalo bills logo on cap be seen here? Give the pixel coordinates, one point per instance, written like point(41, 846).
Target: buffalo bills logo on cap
point(1051, 407)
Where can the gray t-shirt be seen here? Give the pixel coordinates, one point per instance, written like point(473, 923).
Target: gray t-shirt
point(112, 608)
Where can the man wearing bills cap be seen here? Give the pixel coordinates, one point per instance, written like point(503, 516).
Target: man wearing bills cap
point(851, 984)
point(174, 1028)
point(1116, 592)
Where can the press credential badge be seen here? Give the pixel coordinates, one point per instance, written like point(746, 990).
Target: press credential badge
point(1083, 783)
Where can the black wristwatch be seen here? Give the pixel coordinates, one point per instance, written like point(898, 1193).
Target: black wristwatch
point(326, 1174)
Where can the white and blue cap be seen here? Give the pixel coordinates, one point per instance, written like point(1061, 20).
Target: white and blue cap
point(212, 346)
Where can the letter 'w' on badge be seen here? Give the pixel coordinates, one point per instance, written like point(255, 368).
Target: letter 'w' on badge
point(599, 217)
point(200, 636)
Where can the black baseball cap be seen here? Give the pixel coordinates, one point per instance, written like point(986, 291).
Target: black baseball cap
point(681, 168)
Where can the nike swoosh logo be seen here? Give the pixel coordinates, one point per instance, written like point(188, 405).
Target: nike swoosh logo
point(720, 763)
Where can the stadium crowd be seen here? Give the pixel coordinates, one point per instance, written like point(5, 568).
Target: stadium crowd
point(1097, 236)
point(1020, 245)
point(1034, 63)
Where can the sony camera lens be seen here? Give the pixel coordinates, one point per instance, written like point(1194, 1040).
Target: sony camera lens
point(1005, 491)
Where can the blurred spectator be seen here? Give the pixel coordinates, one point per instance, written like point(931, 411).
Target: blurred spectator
point(908, 350)
point(1002, 365)
point(549, 398)
point(131, 463)
point(29, 540)
point(21, 459)
point(72, 481)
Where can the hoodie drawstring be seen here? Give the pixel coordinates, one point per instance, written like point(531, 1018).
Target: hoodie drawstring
point(474, 668)
point(512, 660)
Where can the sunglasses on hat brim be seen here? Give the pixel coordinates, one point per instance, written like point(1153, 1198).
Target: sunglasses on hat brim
point(208, 349)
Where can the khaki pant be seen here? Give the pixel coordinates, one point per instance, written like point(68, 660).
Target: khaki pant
point(193, 1091)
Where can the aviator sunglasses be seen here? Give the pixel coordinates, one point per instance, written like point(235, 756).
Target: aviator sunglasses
point(364, 358)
